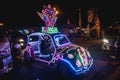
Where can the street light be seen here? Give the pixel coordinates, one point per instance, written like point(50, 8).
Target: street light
point(80, 22)
point(54, 8)
point(56, 11)
point(1, 24)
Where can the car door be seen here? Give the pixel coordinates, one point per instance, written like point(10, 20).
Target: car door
point(47, 48)
point(34, 41)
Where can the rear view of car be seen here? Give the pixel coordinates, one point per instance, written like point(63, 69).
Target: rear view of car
point(6, 63)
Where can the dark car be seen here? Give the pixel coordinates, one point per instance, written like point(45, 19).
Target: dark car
point(111, 35)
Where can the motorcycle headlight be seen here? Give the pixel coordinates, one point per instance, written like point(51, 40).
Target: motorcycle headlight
point(105, 40)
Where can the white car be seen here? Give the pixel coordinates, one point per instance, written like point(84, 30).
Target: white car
point(60, 50)
point(6, 63)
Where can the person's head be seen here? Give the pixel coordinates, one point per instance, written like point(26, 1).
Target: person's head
point(46, 37)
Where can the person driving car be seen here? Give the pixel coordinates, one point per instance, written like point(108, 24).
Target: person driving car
point(46, 45)
point(117, 47)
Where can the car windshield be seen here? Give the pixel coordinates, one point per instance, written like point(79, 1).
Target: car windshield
point(61, 40)
point(33, 38)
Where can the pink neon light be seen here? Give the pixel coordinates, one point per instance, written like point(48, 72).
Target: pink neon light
point(48, 15)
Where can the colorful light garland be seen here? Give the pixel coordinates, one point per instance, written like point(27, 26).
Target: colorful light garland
point(49, 16)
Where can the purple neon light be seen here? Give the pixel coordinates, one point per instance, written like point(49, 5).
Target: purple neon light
point(81, 70)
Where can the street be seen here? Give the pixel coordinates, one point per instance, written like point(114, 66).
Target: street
point(104, 66)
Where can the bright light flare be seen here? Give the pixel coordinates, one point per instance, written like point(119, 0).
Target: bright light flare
point(21, 40)
point(105, 41)
point(1, 24)
point(56, 12)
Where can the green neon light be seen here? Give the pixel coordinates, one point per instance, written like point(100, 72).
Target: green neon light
point(50, 29)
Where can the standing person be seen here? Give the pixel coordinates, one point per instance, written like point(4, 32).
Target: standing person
point(16, 55)
point(79, 33)
point(117, 48)
point(16, 50)
point(29, 54)
point(103, 33)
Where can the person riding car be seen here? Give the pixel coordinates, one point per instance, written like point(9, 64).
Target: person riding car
point(46, 46)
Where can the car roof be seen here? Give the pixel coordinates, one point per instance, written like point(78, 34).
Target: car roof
point(42, 33)
point(36, 33)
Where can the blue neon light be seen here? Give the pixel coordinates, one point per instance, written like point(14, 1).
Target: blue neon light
point(81, 70)
point(59, 40)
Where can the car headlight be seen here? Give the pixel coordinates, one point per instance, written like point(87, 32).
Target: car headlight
point(21, 44)
point(21, 40)
point(105, 40)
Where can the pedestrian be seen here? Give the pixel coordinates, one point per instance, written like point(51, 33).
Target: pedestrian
point(16, 52)
point(117, 48)
point(79, 33)
point(29, 55)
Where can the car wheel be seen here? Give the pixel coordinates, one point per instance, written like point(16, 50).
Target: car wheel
point(65, 72)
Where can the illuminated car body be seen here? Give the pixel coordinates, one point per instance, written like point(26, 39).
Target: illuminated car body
point(6, 63)
point(77, 57)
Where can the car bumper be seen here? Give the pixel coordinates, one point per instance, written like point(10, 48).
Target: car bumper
point(85, 68)
point(5, 70)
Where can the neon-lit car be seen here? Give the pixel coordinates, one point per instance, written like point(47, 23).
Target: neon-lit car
point(6, 63)
point(60, 49)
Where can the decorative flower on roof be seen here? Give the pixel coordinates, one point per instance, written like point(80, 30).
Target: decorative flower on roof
point(48, 15)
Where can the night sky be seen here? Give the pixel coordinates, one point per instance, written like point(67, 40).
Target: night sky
point(23, 12)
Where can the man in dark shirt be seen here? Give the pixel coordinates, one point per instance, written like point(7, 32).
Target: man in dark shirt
point(44, 45)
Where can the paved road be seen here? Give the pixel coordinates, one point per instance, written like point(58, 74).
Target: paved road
point(104, 67)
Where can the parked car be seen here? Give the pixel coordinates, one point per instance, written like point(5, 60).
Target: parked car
point(6, 62)
point(109, 39)
point(57, 48)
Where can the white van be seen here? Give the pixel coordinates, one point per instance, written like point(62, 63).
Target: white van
point(6, 63)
